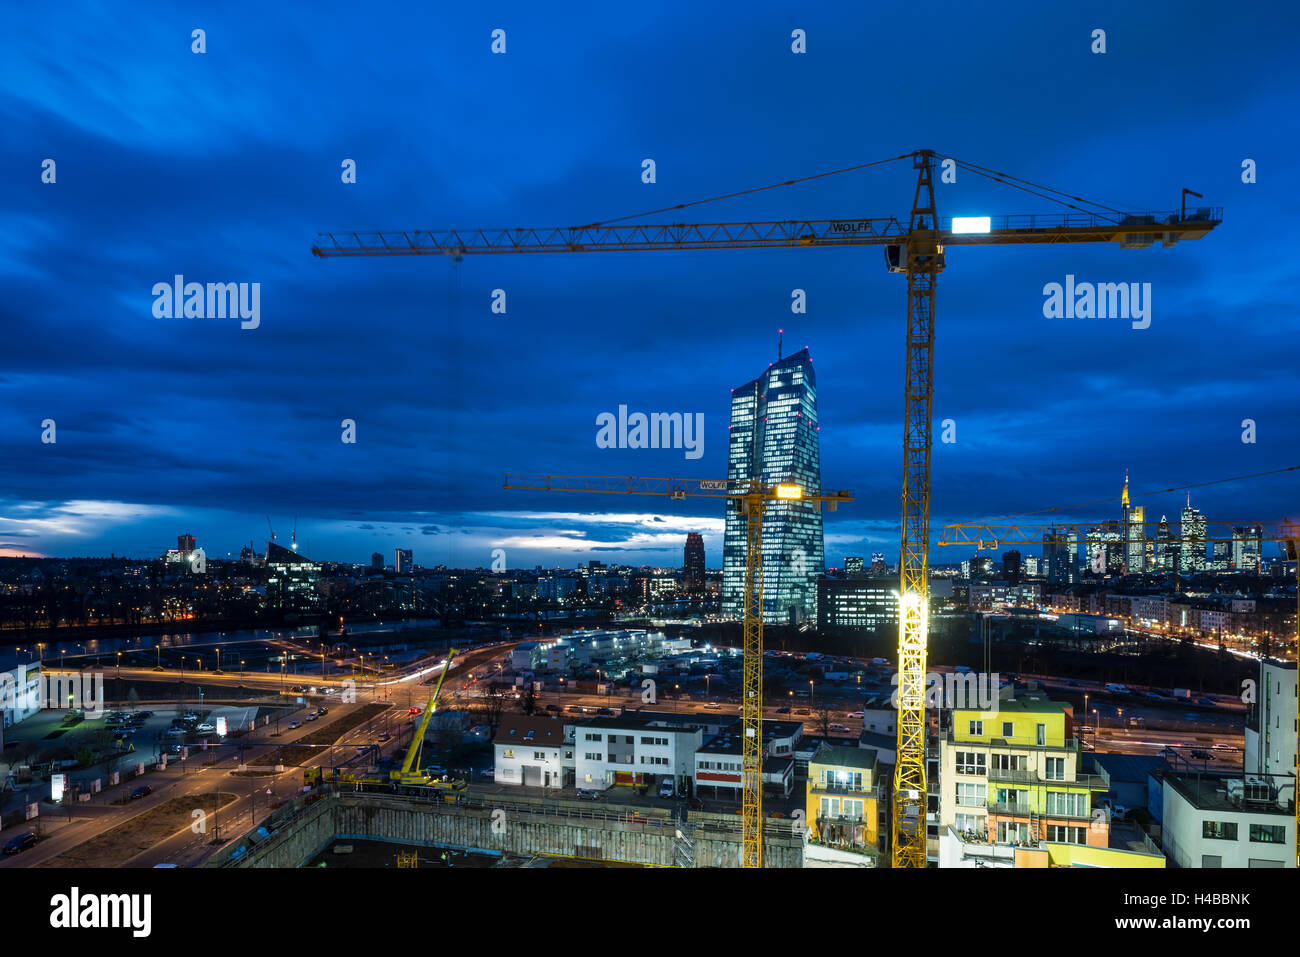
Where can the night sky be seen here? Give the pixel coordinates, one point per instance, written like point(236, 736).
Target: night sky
point(224, 166)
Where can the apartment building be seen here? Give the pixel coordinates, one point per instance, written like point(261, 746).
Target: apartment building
point(1012, 776)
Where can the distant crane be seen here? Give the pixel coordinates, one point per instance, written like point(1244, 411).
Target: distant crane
point(753, 496)
point(271, 527)
point(916, 250)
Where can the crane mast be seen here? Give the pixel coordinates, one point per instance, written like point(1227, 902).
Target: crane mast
point(753, 497)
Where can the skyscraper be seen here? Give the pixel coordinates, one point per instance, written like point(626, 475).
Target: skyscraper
point(774, 439)
point(376, 561)
point(1059, 556)
point(402, 560)
point(853, 565)
point(1131, 519)
point(1192, 533)
point(693, 562)
point(185, 543)
point(1011, 565)
point(1247, 546)
point(1166, 554)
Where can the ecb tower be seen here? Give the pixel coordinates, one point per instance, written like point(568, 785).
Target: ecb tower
point(774, 439)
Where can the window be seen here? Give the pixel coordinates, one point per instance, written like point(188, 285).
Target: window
point(539, 755)
point(1060, 834)
point(1219, 830)
point(970, 794)
point(1009, 762)
point(852, 809)
point(968, 822)
point(830, 807)
point(508, 753)
point(597, 756)
point(592, 737)
point(1211, 860)
point(1012, 832)
point(1008, 729)
point(1268, 833)
point(1042, 735)
point(977, 729)
point(970, 762)
point(1054, 769)
point(1066, 803)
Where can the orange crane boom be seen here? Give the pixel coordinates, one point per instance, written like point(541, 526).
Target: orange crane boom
point(915, 249)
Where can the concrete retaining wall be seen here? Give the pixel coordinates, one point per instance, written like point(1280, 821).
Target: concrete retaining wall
point(520, 828)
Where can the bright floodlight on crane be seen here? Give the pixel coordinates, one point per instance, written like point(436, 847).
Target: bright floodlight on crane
point(789, 491)
point(971, 224)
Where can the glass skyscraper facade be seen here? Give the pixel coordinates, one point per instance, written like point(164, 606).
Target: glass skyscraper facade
point(774, 439)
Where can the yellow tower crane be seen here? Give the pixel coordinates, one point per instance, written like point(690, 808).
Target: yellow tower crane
point(913, 246)
point(753, 496)
point(1287, 533)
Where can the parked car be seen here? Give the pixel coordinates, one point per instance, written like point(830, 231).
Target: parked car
point(489, 772)
point(857, 714)
point(586, 794)
point(142, 791)
point(294, 724)
point(206, 728)
point(1201, 755)
point(802, 711)
point(713, 706)
point(175, 749)
point(20, 843)
point(176, 732)
point(667, 789)
point(783, 710)
point(604, 711)
point(839, 727)
point(322, 711)
point(311, 716)
point(144, 714)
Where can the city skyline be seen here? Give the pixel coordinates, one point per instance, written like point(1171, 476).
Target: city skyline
point(448, 396)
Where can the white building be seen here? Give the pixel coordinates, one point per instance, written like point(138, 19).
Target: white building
point(632, 751)
point(1271, 727)
point(1228, 820)
point(533, 751)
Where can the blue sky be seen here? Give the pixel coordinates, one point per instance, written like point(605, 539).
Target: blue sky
point(223, 167)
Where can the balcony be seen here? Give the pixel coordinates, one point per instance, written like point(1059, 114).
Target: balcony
point(1093, 782)
point(845, 834)
point(1016, 808)
point(847, 790)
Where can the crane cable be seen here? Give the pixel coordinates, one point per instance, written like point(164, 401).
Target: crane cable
point(746, 192)
point(1010, 180)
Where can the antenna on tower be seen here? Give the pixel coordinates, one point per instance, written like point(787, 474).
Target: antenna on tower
point(780, 336)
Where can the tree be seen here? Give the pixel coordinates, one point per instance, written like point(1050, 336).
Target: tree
point(491, 707)
point(822, 719)
point(528, 701)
